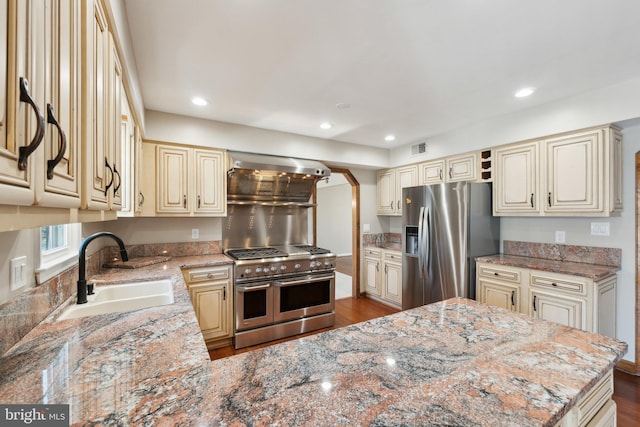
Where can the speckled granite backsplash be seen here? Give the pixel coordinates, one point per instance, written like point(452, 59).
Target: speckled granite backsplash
point(585, 254)
point(382, 239)
point(22, 313)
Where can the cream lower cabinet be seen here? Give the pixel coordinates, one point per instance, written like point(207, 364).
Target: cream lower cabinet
point(372, 266)
point(573, 301)
point(183, 181)
point(211, 292)
point(392, 279)
point(383, 275)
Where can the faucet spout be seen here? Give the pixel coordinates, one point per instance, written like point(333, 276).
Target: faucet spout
point(82, 271)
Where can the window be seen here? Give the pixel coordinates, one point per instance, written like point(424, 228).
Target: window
point(58, 249)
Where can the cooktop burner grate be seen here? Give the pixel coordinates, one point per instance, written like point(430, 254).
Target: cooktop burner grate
point(256, 253)
point(313, 250)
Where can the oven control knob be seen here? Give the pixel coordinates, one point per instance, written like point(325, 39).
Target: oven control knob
point(274, 268)
point(258, 270)
point(312, 264)
point(327, 264)
point(297, 266)
point(283, 267)
point(247, 271)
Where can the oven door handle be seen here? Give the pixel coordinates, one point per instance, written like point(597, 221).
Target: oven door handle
point(252, 288)
point(306, 279)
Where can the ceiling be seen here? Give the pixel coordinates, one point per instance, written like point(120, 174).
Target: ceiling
point(412, 68)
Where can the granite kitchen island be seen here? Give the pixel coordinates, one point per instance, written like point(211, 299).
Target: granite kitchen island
point(457, 362)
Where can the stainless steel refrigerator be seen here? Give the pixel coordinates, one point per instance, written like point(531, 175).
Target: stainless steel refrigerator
point(445, 226)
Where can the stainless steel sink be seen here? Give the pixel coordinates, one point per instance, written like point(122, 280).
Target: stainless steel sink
point(121, 298)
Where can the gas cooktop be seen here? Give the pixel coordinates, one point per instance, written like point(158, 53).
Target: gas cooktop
point(275, 252)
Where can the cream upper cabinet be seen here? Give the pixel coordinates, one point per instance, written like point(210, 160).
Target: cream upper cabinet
point(386, 192)
point(98, 175)
point(389, 186)
point(138, 167)
point(114, 123)
point(462, 168)
point(39, 124)
point(516, 182)
point(184, 181)
point(432, 172)
point(574, 174)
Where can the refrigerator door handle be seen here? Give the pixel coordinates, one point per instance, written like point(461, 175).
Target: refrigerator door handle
point(420, 240)
point(423, 246)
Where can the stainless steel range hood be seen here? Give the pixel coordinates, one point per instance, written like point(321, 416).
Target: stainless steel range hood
point(272, 180)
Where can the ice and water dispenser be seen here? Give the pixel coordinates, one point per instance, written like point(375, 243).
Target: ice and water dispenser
point(411, 240)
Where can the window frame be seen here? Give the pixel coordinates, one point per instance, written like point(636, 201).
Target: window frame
point(53, 262)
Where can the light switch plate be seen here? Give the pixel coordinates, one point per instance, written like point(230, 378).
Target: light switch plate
point(195, 233)
point(18, 272)
point(600, 229)
point(366, 228)
point(561, 237)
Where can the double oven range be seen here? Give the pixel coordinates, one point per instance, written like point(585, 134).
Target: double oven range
point(282, 291)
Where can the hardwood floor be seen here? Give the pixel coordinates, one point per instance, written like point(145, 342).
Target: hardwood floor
point(350, 310)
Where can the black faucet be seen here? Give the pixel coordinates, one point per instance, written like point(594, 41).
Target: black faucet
point(82, 282)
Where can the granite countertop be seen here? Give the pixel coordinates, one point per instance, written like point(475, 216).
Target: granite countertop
point(591, 271)
point(391, 246)
point(457, 362)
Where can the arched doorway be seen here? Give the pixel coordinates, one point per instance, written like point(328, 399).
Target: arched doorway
point(355, 227)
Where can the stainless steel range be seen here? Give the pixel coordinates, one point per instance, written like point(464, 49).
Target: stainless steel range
point(283, 285)
point(282, 291)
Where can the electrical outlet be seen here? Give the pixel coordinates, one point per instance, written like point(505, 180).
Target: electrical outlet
point(18, 272)
point(600, 229)
point(195, 233)
point(366, 228)
point(561, 237)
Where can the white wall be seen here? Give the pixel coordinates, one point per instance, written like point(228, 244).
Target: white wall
point(194, 131)
point(334, 218)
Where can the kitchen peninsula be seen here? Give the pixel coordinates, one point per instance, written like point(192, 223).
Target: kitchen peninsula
point(456, 362)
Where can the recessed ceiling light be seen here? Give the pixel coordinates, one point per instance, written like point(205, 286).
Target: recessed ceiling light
point(390, 138)
point(524, 92)
point(199, 101)
point(343, 106)
point(326, 125)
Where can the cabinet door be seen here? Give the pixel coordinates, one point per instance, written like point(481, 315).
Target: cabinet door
point(18, 120)
point(212, 308)
point(574, 168)
point(172, 180)
point(516, 184)
point(59, 171)
point(372, 276)
point(386, 185)
point(462, 168)
point(405, 177)
point(392, 284)
point(114, 120)
point(558, 308)
point(432, 172)
point(98, 172)
point(210, 186)
point(137, 173)
point(499, 294)
point(615, 169)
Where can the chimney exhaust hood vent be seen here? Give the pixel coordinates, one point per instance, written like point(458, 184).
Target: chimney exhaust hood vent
point(272, 180)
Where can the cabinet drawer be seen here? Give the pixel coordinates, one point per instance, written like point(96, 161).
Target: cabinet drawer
point(570, 285)
point(595, 399)
point(393, 257)
point(372, 253)
point(499, 273)
point(207, 274)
